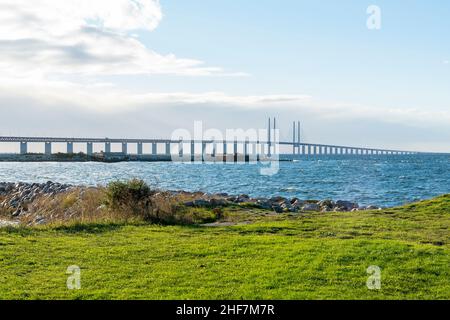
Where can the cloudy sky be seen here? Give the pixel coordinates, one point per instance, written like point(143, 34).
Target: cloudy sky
point(143, 68)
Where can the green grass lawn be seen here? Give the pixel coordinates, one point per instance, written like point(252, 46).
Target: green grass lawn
point(310, 256)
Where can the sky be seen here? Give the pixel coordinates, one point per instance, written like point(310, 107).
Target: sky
point(143, 68)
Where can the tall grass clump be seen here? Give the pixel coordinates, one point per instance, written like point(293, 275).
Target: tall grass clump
point(132, 196)
point(134, 199)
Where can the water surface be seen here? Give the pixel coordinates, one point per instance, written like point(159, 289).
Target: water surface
point(387, 181)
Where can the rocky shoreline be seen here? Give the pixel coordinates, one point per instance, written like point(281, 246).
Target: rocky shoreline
point(278, 204)
point(16, 197)
point(18, 200)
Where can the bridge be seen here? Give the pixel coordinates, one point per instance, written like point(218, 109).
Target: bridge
point(247, 147)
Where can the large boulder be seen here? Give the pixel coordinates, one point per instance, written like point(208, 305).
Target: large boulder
point(277, 208)
point(218, 202)
point(264, 204)
point(311, 207)
point(346, 205)
point(326, 204)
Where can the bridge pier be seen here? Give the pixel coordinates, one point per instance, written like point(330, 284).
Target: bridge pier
point(168, 147)
point(246, 153)
point(48, 148)
point(70, 147)
point(124, 148)
point(154, 149)
point(224, 148)
point(214, 150)
point(140, 149)
point(23, 148)
point(180, 149)
point(89, 149)
point(107, 147)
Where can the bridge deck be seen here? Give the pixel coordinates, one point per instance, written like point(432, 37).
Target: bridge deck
point(297, 147)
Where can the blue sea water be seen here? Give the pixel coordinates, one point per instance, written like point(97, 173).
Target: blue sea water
point(383, 181)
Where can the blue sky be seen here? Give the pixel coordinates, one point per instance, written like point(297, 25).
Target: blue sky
point(111, 66)
point(322, 48)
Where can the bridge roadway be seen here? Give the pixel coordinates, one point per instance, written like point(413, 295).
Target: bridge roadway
point(298, 148)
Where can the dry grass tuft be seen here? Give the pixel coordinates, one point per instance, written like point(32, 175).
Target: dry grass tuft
point(120, 202)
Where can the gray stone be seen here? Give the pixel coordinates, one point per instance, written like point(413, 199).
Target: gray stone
point(277, 208)
point(218, 202)
point(347, 205)
point(311, 207)
point(326, 203)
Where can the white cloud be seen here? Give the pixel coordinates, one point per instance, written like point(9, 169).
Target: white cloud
point(108, 98)
point(41, 38)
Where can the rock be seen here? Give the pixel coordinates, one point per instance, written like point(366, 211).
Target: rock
point(298, 204)
point(222, 195)
point(201, 203)
point(17, 212)
point(287, 207)
point(372, 208)
point(311, 207)
point(264, 204)
point(218, 202)
point(346, 205)
point(277, 208)
point(278, 199)
point(242, 198)
point(326, 203)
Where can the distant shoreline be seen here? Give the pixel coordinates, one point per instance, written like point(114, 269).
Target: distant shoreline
point(120, 157)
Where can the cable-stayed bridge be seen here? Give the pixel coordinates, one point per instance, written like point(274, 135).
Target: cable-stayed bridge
point(243, 147)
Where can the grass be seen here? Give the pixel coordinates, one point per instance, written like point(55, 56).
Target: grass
point(308, 256)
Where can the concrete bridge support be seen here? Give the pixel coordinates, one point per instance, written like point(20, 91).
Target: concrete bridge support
point(140, 149)
point(89, 149)
point(107, 147)
point(225, 151)
point(180, 149)
point(214, 150)
point(192, 150)
point(48, 148)
point(168, 148)
point(124, 148)
point(204, 151)
point(154, 149)
point(23, 148)
point(70, 147)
